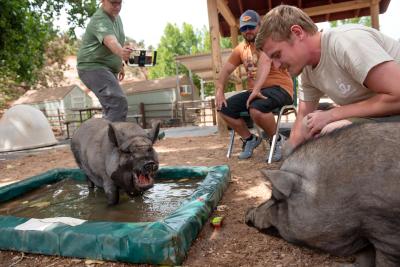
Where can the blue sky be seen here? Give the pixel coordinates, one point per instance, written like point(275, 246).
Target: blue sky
point(146, 19)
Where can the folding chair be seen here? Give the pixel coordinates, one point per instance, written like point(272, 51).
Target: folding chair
point(283, 111)
point(246, 116)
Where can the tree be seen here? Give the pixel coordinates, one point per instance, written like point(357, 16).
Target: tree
point(360, 20)
point(26, 32)
point(174, 42)
point(185, 41)
point(56, 50)
point(26, 27)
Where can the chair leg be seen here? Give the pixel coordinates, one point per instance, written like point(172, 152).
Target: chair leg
point(274, 139)
point(230, 145)
point(278, 126)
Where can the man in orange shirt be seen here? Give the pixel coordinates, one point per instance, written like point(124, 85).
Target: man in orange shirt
point(276, 89)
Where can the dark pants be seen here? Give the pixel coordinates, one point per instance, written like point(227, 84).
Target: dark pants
point(276, 98)
point(104, 84)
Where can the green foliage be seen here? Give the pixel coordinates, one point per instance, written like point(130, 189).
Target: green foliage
point(22, 39)
point(77, 11)
point(173, 43)
point(56, 51)
point(184, 41)
point(360, 20)
point(28, 40)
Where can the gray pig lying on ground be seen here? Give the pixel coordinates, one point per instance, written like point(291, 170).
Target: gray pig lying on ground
point(340, 194)
point(116, 155)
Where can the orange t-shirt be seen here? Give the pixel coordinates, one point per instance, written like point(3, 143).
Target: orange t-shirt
point(247, 55)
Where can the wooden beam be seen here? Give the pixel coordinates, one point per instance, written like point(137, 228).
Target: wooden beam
point(240, 4)
point(235, 42)
point(338, 7)
point(216, 54)
point(226, 13)
point(299, 3)
point(374, 10)
point(357, 13)
point(327, 16)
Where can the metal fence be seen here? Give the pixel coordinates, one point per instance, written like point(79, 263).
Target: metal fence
point(181, 113)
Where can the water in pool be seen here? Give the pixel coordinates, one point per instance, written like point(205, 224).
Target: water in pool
point(71, 198)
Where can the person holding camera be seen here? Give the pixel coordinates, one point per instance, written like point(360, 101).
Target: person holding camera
point(100, 59)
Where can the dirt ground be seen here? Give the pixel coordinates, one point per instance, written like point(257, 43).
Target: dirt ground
point(235, 244)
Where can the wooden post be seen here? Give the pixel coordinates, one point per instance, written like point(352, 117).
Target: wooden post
point(213, 111)
point(235, 42)
point(183, 114)
point(142, 112)
point(59, 121)
point(216, 53)
point(374, 10)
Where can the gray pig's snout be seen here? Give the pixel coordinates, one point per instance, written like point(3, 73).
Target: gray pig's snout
point(150, 166)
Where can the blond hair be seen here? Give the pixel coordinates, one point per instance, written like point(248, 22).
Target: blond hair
point(278, 21)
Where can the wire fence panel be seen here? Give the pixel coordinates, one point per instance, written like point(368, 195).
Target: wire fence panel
point(181, 113)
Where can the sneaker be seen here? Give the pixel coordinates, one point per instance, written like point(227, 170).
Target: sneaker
point(277, 155)
point(249, 146)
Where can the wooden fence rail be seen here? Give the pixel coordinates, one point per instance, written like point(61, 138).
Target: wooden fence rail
point(180, 113)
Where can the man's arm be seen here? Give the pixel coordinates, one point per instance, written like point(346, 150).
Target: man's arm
point(384, 80)
point(263, 68)
point(300, 132)
point(121, 74)
point(111, 42)
point(227, 69)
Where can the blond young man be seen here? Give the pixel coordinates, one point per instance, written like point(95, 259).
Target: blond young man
point(100, 59)
point(356, 66)
point(275, 89)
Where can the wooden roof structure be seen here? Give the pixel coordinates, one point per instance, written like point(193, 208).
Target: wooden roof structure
point(223, 16)
point(201, 64)
point(318, 10)
point(46, 94)
point(154, 85)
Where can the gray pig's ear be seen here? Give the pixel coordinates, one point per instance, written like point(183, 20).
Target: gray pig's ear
point(282, 182)
point(112, 134)
point(153, 134)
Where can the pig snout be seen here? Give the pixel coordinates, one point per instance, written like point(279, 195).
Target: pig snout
point(145, 176)
point(150, 167)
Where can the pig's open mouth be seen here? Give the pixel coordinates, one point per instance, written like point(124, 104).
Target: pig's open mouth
point(144, 180)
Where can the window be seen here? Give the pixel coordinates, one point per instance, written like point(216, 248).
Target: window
point(186, 90)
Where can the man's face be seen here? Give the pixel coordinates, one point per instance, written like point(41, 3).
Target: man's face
point(112, 7)
point(286, 54)
point(249, 33)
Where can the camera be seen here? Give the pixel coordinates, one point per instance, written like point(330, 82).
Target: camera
point(142, 58)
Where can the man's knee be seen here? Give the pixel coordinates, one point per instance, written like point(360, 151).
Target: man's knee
point(255, 114)
point(117, 108)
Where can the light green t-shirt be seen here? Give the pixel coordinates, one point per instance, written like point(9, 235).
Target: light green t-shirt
point(348, 53)
point(92, 53)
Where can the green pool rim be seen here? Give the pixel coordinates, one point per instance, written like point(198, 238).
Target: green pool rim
point(165, 241)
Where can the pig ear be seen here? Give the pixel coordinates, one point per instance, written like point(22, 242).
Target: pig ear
point(153, 134)
point(282, 182)
point(112, 134)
